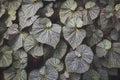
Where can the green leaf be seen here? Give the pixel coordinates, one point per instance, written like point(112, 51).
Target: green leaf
point(55, 63)
point(45, 73)
point(5, 56)
point(46, 32)
point(79, 61)
point(33, 47)
point(20, 59)
point(74, 35)
point(15, 74)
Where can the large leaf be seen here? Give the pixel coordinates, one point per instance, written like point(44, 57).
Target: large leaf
point(24, 22)
point(5, 56)
point(15, 74)
point(30, 7)
point(109, 18)
point(112, 59)
point(46, 32)
point(93, 10)
point(60, 50)
point(55, 63)
point(45, 73)
point(12, 7)
point(78, 61)
point(68, 9)
point(16, 37)
point(33, 47)
point(20, 59)
point(74, 36)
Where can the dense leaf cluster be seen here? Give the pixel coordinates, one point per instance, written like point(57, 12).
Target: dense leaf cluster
point(72, 39)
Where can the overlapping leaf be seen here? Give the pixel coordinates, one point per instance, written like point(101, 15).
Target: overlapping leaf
point(33, 47)
point(78, 61)
point(91, 75)
point(20, 59)
point(55, 63)
point(60, 50)
point(16, 37)
point(5, 56)
point(15, 74)
point(112, 59)
point(94, 35)
point(30, 7)
point(45, 73)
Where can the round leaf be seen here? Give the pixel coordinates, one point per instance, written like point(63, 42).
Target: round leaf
point(55, 63)
point(112, 59)
point(15, 74)
point(5, 56)
point(103, 47)
point(78, 61)
point(20, 59)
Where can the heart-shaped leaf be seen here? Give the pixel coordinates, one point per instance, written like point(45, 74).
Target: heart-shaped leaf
point(45, 32)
